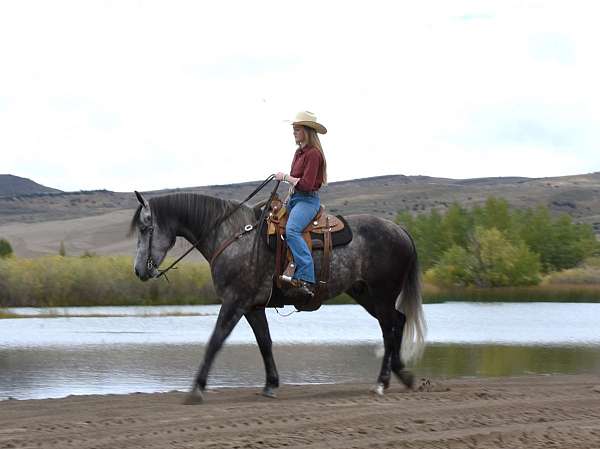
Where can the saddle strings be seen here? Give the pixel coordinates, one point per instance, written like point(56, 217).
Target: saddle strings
point(282, 315)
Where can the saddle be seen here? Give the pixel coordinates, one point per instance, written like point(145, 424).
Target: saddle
point(318, 236)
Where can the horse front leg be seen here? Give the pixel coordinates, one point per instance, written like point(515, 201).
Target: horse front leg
point(258, 321)
point(229, 315)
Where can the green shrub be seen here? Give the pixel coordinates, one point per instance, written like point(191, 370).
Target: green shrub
point(490, 260)
point(5, 249)
point(558, 241)
point(456, 267)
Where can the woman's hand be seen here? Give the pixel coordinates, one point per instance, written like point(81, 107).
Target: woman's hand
point(279, 176)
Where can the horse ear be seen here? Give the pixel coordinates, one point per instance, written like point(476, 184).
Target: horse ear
point(141, 199)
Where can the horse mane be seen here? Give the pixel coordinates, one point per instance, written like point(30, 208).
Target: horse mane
point(134, 221)
point(193, 210)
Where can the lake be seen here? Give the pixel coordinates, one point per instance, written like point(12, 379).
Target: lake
point(146, 350)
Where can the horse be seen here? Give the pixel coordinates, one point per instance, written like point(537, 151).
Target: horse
point(379, 269)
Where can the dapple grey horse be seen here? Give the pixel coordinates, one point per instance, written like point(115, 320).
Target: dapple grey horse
point(378, 269)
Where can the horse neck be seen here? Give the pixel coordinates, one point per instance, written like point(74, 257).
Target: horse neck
point(198, 225)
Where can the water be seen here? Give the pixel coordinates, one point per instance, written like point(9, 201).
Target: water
point(147, 351)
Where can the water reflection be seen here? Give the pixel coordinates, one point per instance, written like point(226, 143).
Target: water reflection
point(146, 351)
point(59, 371)
point(497, 360)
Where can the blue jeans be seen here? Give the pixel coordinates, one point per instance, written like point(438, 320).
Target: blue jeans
point(302, 208)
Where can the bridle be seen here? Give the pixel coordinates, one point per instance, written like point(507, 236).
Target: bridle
point(150, 265)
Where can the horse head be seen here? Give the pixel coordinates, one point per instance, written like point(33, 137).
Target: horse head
point(154, 240)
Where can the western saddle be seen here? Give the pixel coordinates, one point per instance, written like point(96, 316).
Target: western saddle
point(322, 223)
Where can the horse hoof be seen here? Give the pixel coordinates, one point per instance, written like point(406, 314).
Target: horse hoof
point(407, 378)
point(194, 397)
point(269, 392)
point(378, 389)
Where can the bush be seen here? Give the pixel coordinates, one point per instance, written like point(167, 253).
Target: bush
point(558, 241)
point(490, 260)
point(455, 268)
point(5, 249)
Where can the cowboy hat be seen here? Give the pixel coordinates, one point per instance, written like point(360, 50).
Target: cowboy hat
point(306, 118)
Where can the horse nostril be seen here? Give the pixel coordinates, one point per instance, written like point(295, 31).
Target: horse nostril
point(136, 272)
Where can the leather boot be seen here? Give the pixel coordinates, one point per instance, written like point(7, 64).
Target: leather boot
point(301, 289)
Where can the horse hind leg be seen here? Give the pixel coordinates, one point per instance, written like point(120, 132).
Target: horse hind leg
point(392, 327)
point(365, 298)
point(403, 375)
point(387, 331)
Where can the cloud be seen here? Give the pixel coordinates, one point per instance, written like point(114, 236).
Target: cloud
point(147, 95)
point(475, 16)
point(553, 47)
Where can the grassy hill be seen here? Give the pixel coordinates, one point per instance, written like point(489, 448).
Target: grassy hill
point(96, 221)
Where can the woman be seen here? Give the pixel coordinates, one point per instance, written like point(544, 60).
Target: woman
point(307, 175)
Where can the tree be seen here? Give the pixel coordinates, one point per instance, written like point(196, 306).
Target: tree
point(429, 235)
point(61, 249)
point(5, 248)
point(502, 263)
point(456, 267)
point(560, 243)
point(576, 242)
point(458, 225)
point(494, 214)
point(490, 260)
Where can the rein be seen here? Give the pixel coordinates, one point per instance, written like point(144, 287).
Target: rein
point(247, 228)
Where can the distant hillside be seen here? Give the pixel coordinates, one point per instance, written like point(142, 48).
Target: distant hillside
point(96, 221)
point(11, 185)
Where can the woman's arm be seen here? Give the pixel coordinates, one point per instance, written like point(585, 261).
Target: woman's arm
point(310, 172)
point(280, 176)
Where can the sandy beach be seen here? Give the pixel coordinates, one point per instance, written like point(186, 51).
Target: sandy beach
point(519, 412)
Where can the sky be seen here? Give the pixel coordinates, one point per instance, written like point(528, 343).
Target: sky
point(146, 95)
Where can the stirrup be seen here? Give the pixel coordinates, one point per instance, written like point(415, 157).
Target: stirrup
point(288, 280)
point(287, 277)
point(300, 288)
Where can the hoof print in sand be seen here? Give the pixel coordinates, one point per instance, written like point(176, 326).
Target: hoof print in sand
point(428, 385)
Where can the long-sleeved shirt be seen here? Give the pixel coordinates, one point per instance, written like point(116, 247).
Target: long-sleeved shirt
point(308, 166)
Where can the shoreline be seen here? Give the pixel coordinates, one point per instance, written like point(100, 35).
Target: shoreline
point(525, 411)
point(16, 312)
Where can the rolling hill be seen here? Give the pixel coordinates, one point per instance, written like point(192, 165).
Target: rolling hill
point(96, 221)
point(11, 185)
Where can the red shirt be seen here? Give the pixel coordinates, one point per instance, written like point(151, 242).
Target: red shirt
point(308, 166)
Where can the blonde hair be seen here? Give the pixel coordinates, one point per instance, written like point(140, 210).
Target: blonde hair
point(312, 139)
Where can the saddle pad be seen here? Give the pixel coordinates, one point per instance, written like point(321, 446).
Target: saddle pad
point(339, 238)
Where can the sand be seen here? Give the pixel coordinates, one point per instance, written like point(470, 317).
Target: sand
point(520, 412)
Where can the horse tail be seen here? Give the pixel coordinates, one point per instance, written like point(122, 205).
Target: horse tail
point(409, 303)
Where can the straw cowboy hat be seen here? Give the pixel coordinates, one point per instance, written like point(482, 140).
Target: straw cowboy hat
point(309, 119)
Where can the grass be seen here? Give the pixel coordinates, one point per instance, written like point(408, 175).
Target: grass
point(538, 293)
point(108, 281)
point(56, 281)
